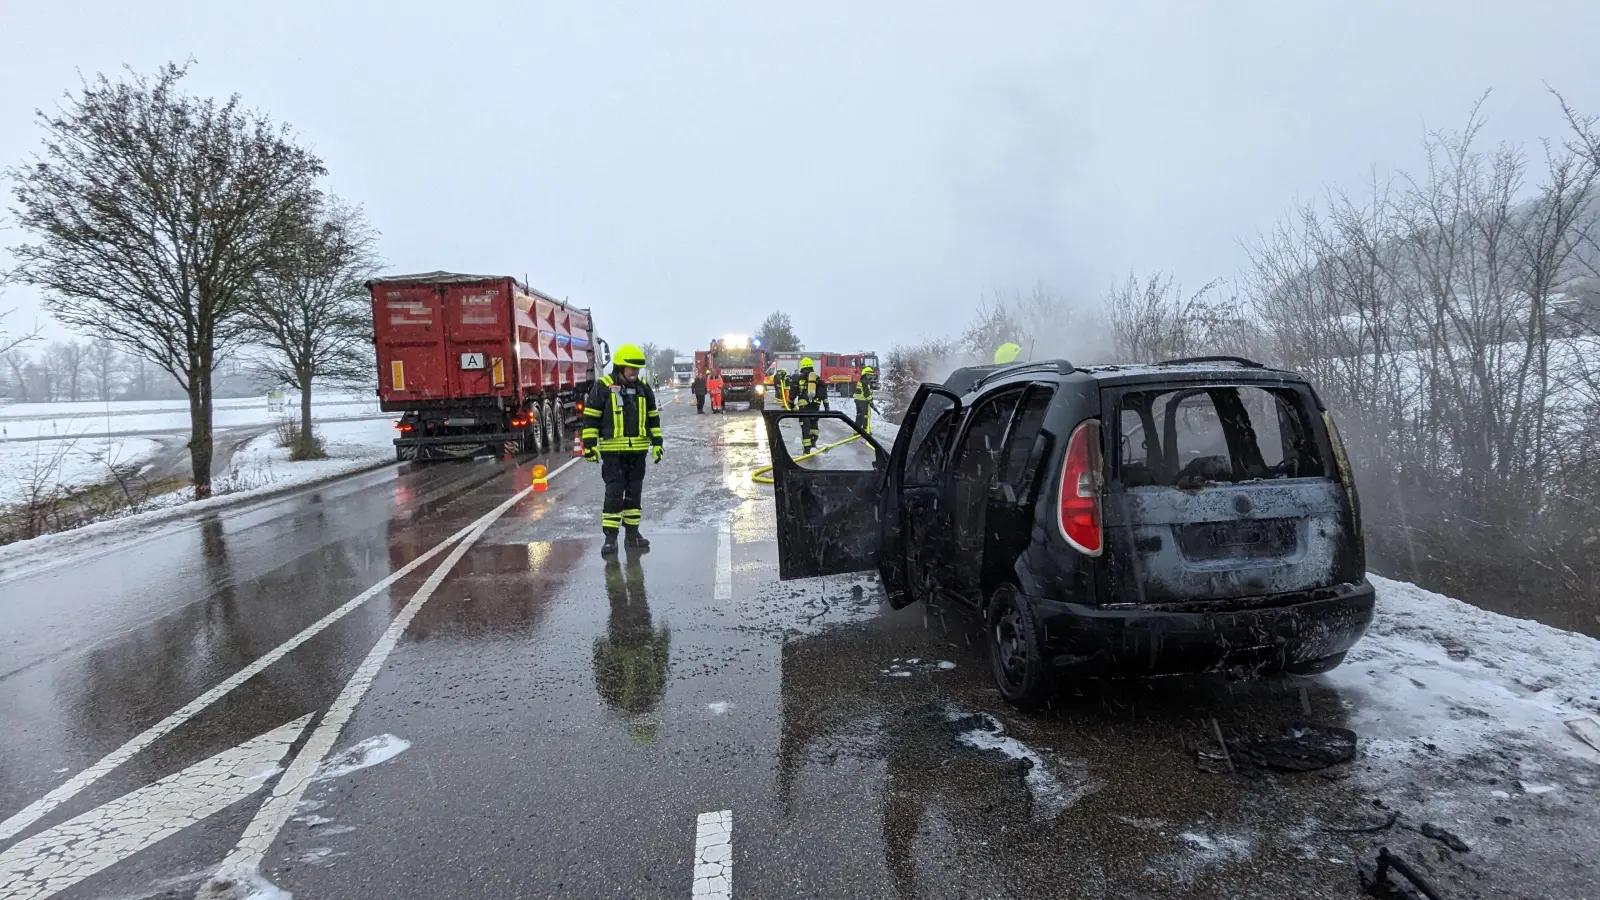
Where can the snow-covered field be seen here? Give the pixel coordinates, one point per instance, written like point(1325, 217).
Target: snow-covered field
point(25, 420)
point(350, 446)
point(48, 465)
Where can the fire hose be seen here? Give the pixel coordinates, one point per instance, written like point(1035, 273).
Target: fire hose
point(760, 475)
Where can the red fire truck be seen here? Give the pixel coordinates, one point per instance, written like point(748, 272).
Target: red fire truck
point(840, 370)
point(742, 364)
point(480, 364)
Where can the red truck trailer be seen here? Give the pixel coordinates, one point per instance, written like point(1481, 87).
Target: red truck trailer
point(480, 364)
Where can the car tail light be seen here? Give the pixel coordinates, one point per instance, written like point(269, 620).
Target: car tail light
point(1080, 490)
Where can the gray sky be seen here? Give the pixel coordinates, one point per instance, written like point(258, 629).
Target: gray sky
point(872, 168)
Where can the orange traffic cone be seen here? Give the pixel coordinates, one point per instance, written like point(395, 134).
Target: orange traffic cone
point(540, 483)
point(577, 445)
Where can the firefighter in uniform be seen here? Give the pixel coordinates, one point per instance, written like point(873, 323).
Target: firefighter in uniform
point(780, 384)
point(809, 394)
point(863, 398)
point(622, 425)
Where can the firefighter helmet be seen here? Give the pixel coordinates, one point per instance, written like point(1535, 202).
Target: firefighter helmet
point(1006, 354)
point(806, 363)
point(866, 370)
point(630, 356)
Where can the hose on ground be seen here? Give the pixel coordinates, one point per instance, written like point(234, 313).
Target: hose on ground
point(760, 475)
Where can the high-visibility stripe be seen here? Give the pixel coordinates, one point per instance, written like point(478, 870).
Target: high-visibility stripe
point(397, 374)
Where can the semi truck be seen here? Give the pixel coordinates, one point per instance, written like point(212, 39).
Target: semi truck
point(480, 364)
point(682, 370)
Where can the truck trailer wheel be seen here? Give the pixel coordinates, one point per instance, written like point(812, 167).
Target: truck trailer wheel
point(552, 414)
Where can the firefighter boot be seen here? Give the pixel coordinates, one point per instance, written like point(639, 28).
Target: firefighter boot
point(609, 548)
point(635, 540)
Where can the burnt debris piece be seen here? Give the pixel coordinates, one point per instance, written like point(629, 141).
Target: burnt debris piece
point(1301, 748)
point(1430, 830)
point(1392, 878)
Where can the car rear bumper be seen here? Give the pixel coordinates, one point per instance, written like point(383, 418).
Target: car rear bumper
point(1215, 636)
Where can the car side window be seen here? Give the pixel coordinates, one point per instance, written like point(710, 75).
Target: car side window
point(930, 440)
point(978, 457)
point(1022, 437)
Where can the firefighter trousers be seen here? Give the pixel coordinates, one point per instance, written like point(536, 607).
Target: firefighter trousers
point(623, 473)
point(864, 415)
point(808, 432)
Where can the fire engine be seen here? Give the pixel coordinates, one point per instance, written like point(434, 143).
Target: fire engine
point(742, 364)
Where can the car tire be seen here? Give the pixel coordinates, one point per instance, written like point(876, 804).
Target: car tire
point(1315, 666)
point(1017, 659)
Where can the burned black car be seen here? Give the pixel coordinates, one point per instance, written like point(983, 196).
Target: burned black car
point(1183, 517)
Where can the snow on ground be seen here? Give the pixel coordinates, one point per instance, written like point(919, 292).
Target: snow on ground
point(65, 464)
point(23, 420)
point(351, 446)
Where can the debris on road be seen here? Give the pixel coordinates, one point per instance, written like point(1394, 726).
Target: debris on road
point(1587, 730)
point(1303, 748)
point(1385, 825)
point(1378, 879)
point(1430, 830)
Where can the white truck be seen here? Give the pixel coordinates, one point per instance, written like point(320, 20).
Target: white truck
point(682, 370)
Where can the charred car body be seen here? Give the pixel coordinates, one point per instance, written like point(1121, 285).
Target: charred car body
point(1184, 517)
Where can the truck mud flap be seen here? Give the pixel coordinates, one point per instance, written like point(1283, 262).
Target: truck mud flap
point(439, 451)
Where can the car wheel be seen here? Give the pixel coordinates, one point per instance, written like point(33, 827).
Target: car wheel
point(1315, 666)
point(1016, 650)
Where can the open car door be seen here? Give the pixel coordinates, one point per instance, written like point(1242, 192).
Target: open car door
point(827, 502)
point(912, 491)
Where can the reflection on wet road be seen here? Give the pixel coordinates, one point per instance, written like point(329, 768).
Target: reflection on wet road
point(548, 723)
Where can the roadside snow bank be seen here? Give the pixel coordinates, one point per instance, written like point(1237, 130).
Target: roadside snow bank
point(351, 446)
point(1437, 674)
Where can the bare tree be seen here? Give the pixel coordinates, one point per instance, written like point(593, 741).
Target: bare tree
point(105, 364)
point(153, 214)
point(1152, 320)
point(311, 311)
point(777, 334)
point(17, 363)
point(69, 358)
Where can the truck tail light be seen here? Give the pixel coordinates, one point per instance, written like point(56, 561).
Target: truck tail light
point(1081, 481)
point(403, 427)
point(521, 420)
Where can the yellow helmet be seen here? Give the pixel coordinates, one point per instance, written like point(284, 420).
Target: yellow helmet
point(631, 356)
point(866, 370)
point(806, 363)
point(1007, 353)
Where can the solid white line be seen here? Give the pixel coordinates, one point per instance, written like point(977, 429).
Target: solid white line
point(724, 587)
point(39, 808)
point(713, 856)
point(60, 857)
point(247, 855)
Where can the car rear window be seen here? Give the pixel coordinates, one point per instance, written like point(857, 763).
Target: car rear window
point(1192, 435)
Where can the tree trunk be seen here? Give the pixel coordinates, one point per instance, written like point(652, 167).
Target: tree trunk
point(200, 429)
point(306, 439)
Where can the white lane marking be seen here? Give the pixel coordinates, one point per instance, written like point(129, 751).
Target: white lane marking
point(245, 859)
point(724, 587)
point(39, 808)
point(57, 858)
point(713, 856)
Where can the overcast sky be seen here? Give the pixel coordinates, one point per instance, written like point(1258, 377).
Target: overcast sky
point(871, 168)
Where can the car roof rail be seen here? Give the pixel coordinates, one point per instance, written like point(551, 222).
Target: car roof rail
point(1059, 366)
point(1237, 360)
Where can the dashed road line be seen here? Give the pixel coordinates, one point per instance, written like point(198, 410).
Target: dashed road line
point(713, 856)
point(242, 864)
point(77, 783)
point(57, 858)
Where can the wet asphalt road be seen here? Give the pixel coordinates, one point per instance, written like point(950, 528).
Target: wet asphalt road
point(548, 725)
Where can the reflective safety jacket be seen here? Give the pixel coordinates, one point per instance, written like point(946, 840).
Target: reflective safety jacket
point(809, 391)
point(621, 418)
point(864, 390)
